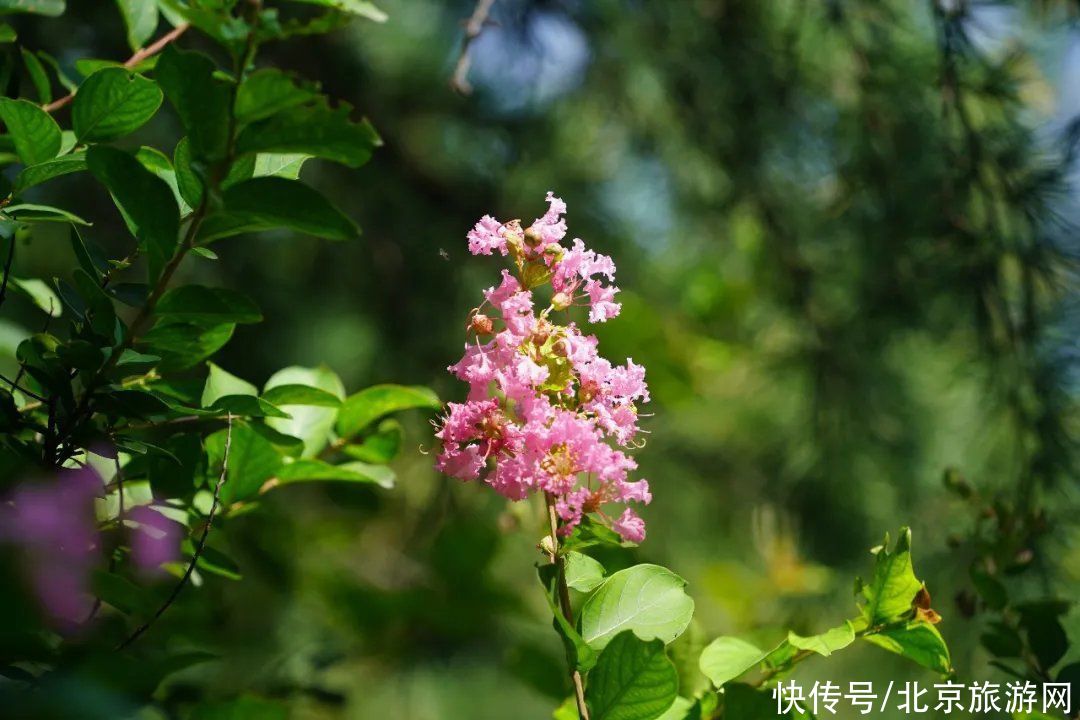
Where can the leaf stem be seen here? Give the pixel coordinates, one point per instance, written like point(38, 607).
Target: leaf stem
point(199, 547)
point(138, 57)
point(564, 599)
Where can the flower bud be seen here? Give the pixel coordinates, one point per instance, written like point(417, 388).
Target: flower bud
point(533, 237)
point(561, 301)
point(481, 324)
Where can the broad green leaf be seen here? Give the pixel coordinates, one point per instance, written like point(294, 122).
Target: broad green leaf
point(313, 129)
point(188, 183)
point(310, 470)
point(200, 99)
point(52, 8)
point(648, 599)
point(726, 658)
point(41, 294)
point(827, 642)
point(633, 680)
point(221, 383)
point(381, 446)
point(286, 166)
point(918, 641)
point(361, 8)
point(266, 92)
point(31, 212)
point(204, 305)
point(183, 345)
point(7, 34)
point(680, 710)
point(582, 572)
point(140, 19)
point(45, 171)
point(144, 198)
point(590, 533)
point(365, 407)
point(893, 587)
point(299, 394)
point(35, 134)
point(253, 459)
point(112, 103)
point(266, 203)
point(311, 423)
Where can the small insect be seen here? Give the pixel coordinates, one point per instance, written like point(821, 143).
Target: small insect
point(444, 255)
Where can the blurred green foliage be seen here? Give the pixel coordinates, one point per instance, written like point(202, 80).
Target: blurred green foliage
point(845, 233)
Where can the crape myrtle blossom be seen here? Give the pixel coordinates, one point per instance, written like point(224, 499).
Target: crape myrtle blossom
point(545, 412)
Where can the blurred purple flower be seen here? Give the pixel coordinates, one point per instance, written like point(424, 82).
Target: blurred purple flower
point(155, 540)
point(54, 523)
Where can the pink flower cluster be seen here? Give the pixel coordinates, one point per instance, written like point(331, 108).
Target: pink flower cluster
point(543, 405)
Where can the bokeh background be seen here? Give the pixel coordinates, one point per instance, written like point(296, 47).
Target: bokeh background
point(845, 240)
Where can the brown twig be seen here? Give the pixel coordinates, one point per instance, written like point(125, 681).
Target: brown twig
point(459, 81)
point(140, 55)
point(564, 600)
point(198, 547)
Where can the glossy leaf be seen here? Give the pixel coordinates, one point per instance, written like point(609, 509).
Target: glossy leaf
point(825, 643)
point(633, 680)
point(313, 129)
point(310, 423)
point(51, 8)
point(203, 305)
point(893, 587)
point(726, 658)
point(35, 134)
point(112, 103)
point(267, 203)
point(582, 572)
point(361, 8)
point(140, 19)
point(266, 92)
point(144, 198)
point(221, 383)
point(43, 172)
point(359, 411)
point(309, 470)
point(917, 641)
point(648, 599)
point(200, 99)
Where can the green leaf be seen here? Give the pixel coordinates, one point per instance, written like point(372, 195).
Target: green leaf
point(827, 642)
point(216, 562)
point(298, 394)
point(45, 171)
point(7, 34)
point(30, 212)
point(582, 572)
point(310, 423)
point(648, 599)
point(381, 446)
point(893, 586)
point(40, 293)
point(590, 533)
point(310, 470)
point(112, 103)
point(122, 594)
point(680, 710)
point(35, 134)
point(143, 198)
point(632, 680)
point(266, 203)
point(182, 345)
point(52, 8)
point(253, 459)
point(200, 99)
point(313, 129)
point(247, 406)
point(365, 407)
point(286, 166)
point(266, 92)
point(1046, 637)
point(38, 76)
point(140, 19)
point(918, 641)
point(221, 383)
point(726, 658)
point(361, 8)
point(158, 163)
point(204, 305)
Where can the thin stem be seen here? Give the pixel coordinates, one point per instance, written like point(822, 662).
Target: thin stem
point(199, 547)
point(15, 386)
point(7, 270)
point(459, 81)
point(564, 599)
point(131, 62)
